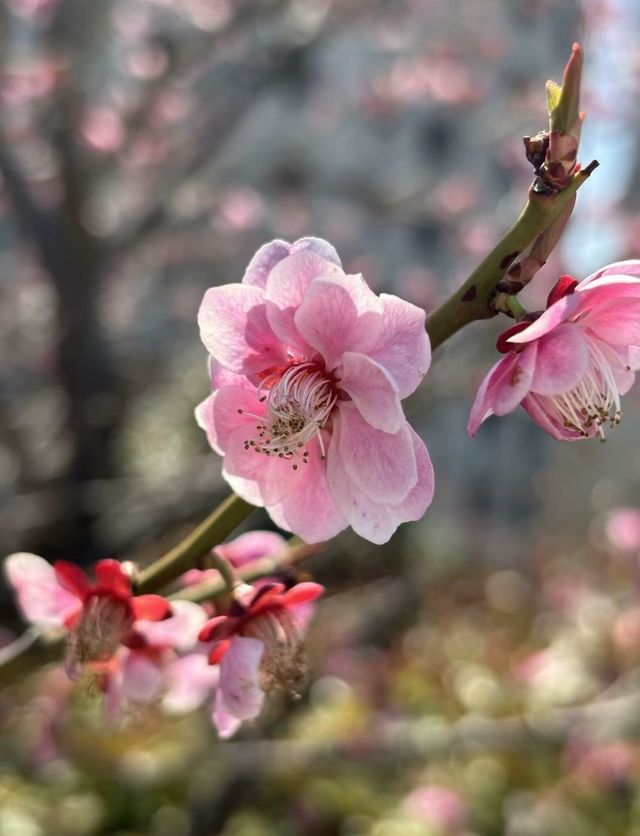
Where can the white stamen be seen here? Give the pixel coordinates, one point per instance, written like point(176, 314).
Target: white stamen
point(592, 403)
point(297, 406)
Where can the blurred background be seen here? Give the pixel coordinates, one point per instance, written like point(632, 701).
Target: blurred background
point(477, 675)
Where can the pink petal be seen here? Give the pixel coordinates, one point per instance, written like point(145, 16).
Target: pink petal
point(272, 253)
point(403, 345)
point(310, 510)
point(239, 676)
point(142, 678)
point(234, 328)
point(110, 574)
point(251, 546)
point(72, 578)
point(302, 593)
point(509, 386)
point(220, 376)
point(373, 391)
point(503, 388)
point(227, 410)
point(382, 464)
point(247, 489)
point(42, 600)
point(375, 521)
point(226, 724)
point(216, 629)
point(264, 261)
point(559, 312)
point(338, 314)
point(179, 631)
point(483, 404)
point(285, 289)
point(562, 360)
point(318, 246)
point(536, 410)
point(618, 268)
point(616, 322)
point(266, 479)
point(150, 607)
point(204, 419)
point(190, 682)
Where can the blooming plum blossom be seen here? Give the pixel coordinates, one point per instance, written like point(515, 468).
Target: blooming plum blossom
point(570, 365)
point(100, 616)
point(259, 647)
point(308, 369)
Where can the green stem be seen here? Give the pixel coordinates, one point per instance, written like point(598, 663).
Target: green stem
point(208, 534)
point(471, 301)
point(515, 306)
point(227, 573)
point(292, 553)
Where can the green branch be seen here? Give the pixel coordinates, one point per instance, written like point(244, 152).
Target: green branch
point(472, 301)
point(218, 525)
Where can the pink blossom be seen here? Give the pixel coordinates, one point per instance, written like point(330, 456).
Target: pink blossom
point(253, 545)
point(99, 616)
point(308, 369)
point(259, 647)
point(622, 529)
point(154, 670)
point(438, 807)
point(571, 364)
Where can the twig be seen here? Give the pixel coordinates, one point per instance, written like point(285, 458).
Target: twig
point(472, 301)
point(208, 534)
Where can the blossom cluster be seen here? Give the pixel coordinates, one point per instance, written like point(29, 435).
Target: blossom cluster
point(176, 654)
point(308, 369)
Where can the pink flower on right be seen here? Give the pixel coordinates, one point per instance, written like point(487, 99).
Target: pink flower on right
point(571, 364)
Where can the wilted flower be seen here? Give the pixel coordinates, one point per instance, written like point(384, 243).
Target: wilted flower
point(259, 646)
point(570, 365)
point(99, 616)
point(308, 370)
point(146, 672)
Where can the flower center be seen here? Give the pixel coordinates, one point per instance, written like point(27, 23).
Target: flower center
point(283, 665)
point(298, 404)
point(105, 623)
point(593, 403)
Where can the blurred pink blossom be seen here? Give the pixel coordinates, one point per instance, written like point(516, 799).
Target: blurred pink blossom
point(99, 616)
point(570, 365)
point(602, 765)
point(622, 529)
point(259, 646)
point(147, 672)
point(102, 129)
point(308, 371)
point(437, 806)
point(253, 545)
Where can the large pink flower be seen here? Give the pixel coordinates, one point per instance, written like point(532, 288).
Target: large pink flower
point(308, 369)
point(570, 365)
